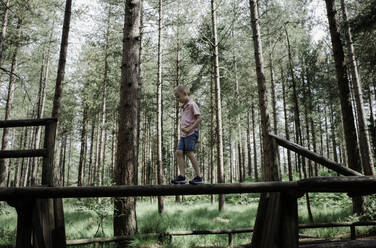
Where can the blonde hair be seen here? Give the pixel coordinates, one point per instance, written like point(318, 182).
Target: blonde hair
point(182, 89)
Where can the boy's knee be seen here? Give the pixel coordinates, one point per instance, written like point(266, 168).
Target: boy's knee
point(190, 154)
point(179, 153)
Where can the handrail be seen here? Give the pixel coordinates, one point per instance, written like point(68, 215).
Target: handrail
point(361, 185)
point(26, 122)
point(314, 156)
point(23, 153)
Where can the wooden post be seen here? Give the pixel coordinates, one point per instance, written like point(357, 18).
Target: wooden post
point(230, 240)
point(24, 210)
point(289, 233)
point(48, 160)
point(353, 232)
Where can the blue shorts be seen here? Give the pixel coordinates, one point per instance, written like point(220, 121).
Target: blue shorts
point(188, 143)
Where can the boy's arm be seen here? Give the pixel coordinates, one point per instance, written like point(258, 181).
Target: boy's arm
point(194, 125)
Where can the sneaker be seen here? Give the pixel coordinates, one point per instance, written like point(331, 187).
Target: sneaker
point(179, 180)
point(196, 180)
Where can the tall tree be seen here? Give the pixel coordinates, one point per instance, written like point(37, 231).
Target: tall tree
point(4, 25)
point(352, 147)
point(159, 105)
point(364, 143)
point(221, 179)
point(270, 160)
point(9, 102)
point(126, 166)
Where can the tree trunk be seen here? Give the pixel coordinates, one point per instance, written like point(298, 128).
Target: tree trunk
point(9, 103)
point(91, 153)
point(364, 143)
point(249, 146)
point(372, 127)
point(159, 106)
point(82, 161)
point(125, 208)
point(333, 131)
point(103, 107)
point(4, 29)
point(298, 132)
point(287, 133)
point(221, 200)
point(270, 160)
point(344, 94)
point(212, 131)
point(254, 142)
point(41, 103)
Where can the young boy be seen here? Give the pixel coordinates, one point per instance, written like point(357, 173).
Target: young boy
point(190, 122)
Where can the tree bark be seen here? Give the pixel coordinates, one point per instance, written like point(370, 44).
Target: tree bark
point(9, 103)
point(287, 133)
point(254, 142)
point(221, 179)
point(270, 159)
point(364, 142)
point(102, 128)
point(344, 94)
point(125, 208)
point(4, 29)
point(82, 161)
point(41, 103)
point(249, 146)
point(159, 106)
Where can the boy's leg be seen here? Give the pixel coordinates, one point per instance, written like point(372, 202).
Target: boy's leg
point(180, 160)
point(194, 162)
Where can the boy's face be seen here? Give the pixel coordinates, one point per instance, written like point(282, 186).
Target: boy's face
point(181, 97)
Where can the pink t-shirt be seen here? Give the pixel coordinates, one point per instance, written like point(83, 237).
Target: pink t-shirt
point(188, 116)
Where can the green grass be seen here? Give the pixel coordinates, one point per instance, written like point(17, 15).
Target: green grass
point(83, 218)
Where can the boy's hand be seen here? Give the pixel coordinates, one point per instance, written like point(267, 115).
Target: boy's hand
point(186, 130)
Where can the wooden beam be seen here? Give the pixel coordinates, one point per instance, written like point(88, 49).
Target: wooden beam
point(26, 122)
point(145, 190)
point(315, 157)
point(23, 153)
point(350, 184)
point(364, 184)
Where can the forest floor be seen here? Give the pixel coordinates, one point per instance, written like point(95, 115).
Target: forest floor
point(91, 218)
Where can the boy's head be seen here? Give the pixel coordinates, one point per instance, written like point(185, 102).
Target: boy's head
point(182, 93)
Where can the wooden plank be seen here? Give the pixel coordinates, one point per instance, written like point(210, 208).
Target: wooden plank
point(23, 153)
point(315, 157)
point(26, 122)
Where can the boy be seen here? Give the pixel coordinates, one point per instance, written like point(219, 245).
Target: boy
point(190, 122)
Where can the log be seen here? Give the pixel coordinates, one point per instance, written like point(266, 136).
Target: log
point(23, 153)
point(206, 232)
point(363, 184)
point(343, 244)
point(146, 190)
point(106, 239)
point(315, 157)
point(26, 122)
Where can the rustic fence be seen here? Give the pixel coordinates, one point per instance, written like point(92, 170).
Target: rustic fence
point(41, 218)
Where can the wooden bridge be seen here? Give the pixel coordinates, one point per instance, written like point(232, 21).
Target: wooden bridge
point(41, 218)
